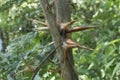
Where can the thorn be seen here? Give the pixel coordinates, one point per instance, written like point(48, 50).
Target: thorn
point(72, 44)
point(36, 21)
point(65, 25)
point(41, 29)
point(69, 44)
point(84, 47)
point(79, 29)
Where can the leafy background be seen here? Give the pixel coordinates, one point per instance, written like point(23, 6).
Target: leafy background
point(25, 48)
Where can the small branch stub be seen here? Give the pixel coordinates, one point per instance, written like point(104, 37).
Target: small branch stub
point(36, 21)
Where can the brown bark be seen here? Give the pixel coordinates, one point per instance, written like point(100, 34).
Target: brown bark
point(62, 16)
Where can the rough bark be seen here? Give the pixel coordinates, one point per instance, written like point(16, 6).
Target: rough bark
point(62, 16)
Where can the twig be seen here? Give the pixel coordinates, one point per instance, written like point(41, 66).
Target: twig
point(41, 29)
point(84, 47)
point(33, 20)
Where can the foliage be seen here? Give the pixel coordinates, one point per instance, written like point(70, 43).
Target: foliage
point(27, 47)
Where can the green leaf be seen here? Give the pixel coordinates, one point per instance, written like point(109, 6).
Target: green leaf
point(102, 73)
point(117, 67)
point(109, 63)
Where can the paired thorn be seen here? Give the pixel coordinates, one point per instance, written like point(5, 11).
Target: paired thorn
point(63, 26)
point(68, 43)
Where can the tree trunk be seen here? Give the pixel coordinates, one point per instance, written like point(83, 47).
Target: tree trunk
point(62, 16)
